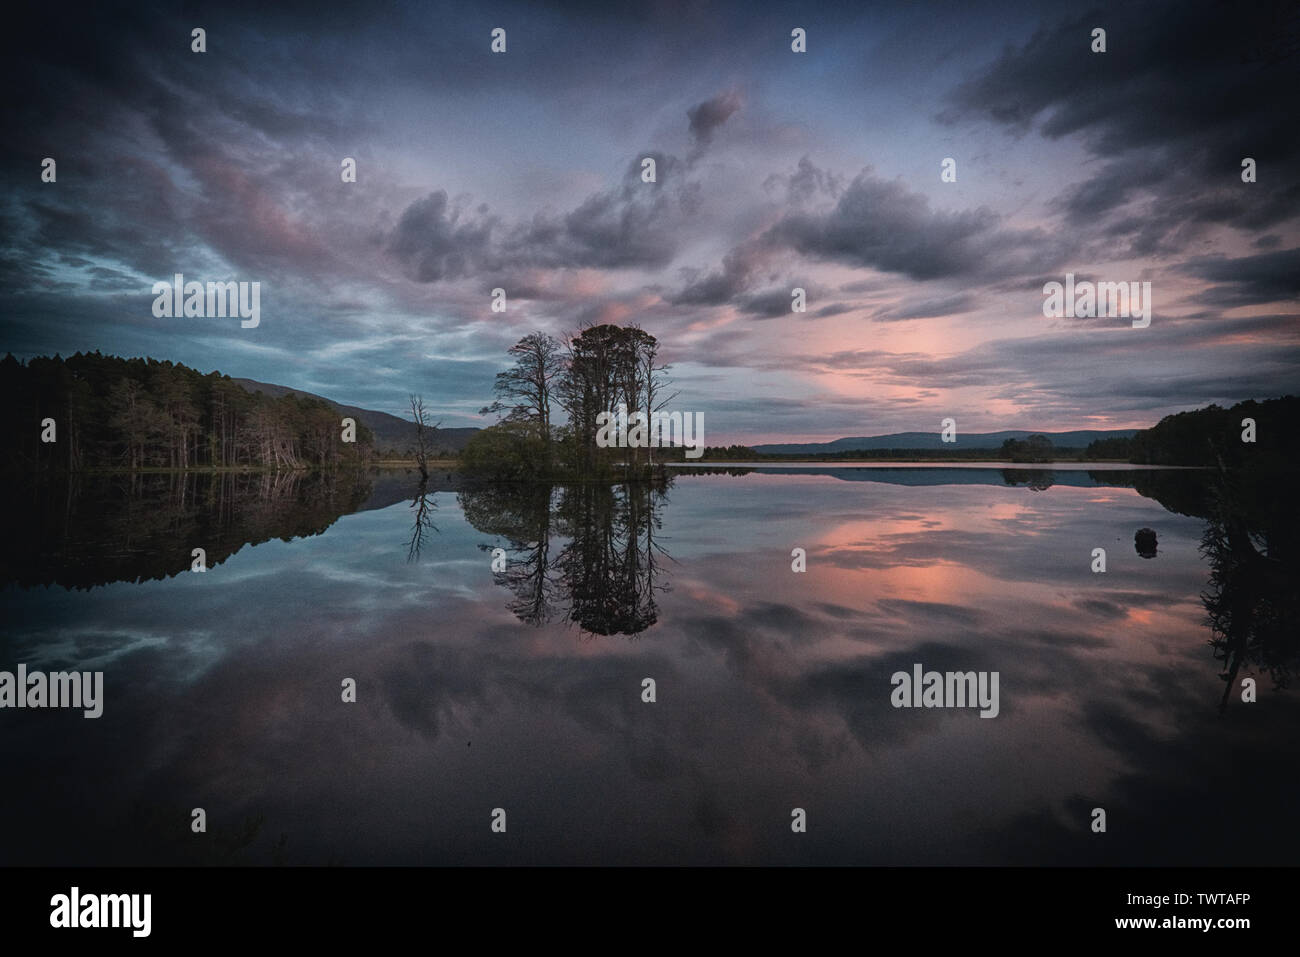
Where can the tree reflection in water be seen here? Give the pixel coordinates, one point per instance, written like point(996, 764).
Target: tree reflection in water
point(1251, 600)
point(424, 506)
point(588, 551)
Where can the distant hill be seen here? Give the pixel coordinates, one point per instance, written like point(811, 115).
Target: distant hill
point(391, 432)
point(932, 440)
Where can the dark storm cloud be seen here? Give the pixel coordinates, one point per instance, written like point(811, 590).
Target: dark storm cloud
point(166, 159)
point(721, 286)
point(139, 227)
point(632, 225)
point(777, 302)
point(768, 305)
point(879, 224)
point(438, 241)
point(1101, 194)
point(882, 224)
point(1248, 280)
point(615, 228)
point(1173, 106)
point(1171, 70)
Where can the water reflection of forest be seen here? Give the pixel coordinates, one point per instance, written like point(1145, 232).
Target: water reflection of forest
point(591, 554)
point(80, 530)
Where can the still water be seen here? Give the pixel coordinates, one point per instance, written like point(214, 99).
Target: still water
point(522, 689)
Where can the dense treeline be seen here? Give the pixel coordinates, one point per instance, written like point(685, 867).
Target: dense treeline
point(728, 453)
point(1116, 448)
point(1213, 436)
point(111, 412)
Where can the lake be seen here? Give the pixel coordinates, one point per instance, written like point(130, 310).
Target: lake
point(522, 688)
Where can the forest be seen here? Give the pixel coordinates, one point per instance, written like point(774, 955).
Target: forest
point(109, 412)
point(1214, 436)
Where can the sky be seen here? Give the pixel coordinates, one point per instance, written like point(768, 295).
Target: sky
point(775, 169)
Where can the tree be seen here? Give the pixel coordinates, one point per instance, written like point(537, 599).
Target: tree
point(1114, 448)
point(525, 391)
point(607, 365)
point(508, 451)
point(598, 358)
point(137, 419)
point(655, 380)
point(592, 372)
point(423, 435)
point(1036, 448)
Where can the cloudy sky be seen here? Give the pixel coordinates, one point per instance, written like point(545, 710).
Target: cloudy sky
point(821, 170)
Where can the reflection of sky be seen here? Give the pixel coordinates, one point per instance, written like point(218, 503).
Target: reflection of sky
point(222, 691)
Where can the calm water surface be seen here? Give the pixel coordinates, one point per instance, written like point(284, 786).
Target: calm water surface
point(522, 689)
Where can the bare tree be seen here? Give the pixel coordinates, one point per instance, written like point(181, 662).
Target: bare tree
point(423, 435)
point(654, 382)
